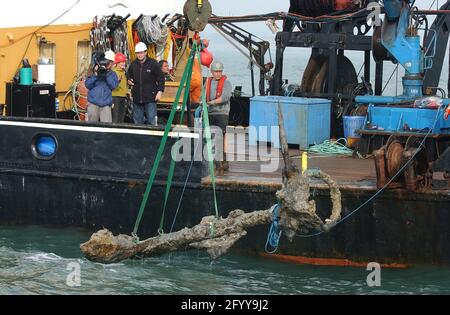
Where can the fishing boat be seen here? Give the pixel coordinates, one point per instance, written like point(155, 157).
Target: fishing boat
point(61, 171)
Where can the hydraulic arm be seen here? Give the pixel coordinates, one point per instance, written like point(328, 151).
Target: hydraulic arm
point(401, 39)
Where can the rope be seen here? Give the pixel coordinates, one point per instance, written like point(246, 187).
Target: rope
point(209, 144)
point(245, 54)
point(379, 192)
point(100, 34)
point(390, 78)
point(154, 30)
point(331, 147)
point(76, 95)
point(131, 41)
point(197, 115)
point(273, 239)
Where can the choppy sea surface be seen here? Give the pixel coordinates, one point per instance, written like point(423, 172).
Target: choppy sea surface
point(37, 260)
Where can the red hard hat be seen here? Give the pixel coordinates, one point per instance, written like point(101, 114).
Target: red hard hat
point(120, 58)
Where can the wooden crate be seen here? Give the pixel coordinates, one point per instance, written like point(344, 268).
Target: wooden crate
point(170, 93)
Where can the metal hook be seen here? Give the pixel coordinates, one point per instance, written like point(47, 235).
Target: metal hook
point(121, 3)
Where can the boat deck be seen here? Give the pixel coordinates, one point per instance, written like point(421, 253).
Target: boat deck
point(247, 168)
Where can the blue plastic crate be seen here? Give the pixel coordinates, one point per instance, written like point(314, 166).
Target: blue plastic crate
point(395, 119)
point(306, 120)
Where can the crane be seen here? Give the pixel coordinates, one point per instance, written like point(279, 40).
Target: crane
point(415, 126)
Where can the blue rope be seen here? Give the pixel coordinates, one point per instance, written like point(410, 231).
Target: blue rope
point(273, 239)
point(198, 112)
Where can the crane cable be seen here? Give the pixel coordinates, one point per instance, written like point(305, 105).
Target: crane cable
point(251, 59)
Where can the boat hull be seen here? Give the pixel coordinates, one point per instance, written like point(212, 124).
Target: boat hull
point(99, 177)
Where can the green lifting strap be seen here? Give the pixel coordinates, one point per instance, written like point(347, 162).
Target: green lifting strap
point(209, 145)
point(189, 68)
point(163, 144)
point(210, 156)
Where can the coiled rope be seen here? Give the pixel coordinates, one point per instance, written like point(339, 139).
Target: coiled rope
point(156, 31)
point(332, 147)
point(273, 239)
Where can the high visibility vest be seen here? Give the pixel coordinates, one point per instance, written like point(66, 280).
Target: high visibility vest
point(219, 91)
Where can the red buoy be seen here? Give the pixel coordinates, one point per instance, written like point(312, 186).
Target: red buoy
point(206, 58)
point(205, 43)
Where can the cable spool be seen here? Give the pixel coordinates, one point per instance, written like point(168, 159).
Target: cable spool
point(315, 8)
point(394, 158)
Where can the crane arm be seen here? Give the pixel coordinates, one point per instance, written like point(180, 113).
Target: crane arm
point(400, 38)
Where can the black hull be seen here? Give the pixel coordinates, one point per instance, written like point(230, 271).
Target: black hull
point(93, 183)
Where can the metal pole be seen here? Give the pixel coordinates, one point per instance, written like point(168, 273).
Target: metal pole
point(332, 70)
point(278, 75)
point(367, 66)
point(379, 78)
point(252, 69)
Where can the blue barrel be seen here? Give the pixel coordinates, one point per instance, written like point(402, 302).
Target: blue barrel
point(26, 76)
point(351, 124)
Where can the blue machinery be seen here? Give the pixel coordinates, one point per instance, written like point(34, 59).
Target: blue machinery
point(400, 38)
point(415, 125)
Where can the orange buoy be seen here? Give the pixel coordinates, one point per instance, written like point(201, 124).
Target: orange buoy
point(205, 43)
point(206, 58)
point(82, 100)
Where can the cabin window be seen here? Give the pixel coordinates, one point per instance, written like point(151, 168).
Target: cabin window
point(44, 146)
point(84, 56)
point(47, 53)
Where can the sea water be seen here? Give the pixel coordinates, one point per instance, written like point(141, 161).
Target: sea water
point(36, 260)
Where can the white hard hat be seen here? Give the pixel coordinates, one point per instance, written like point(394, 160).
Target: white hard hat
point(140, 47)
point(110, 55)
point(217, 66)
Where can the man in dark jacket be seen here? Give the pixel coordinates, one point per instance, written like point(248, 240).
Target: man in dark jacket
point(147, 82)
point(100, 86)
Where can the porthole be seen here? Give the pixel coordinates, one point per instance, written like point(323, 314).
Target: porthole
point(44, 147)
